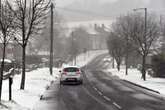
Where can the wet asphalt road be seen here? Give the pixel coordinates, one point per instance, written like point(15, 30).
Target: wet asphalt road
point(100, 91)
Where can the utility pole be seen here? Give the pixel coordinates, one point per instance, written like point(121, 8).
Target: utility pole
point(1, 75)
point(145, 39)
point(126, 57)
point(145, 23)
point(0, 6)
point(51, 41)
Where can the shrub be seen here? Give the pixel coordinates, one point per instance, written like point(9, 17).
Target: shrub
point(33, 59)
point(158, 65)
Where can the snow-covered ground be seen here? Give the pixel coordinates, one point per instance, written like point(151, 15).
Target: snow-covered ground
point(38, 80)
point(36, 83)
point(134, 76)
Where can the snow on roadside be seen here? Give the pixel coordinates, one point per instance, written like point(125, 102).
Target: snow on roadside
point(36, 83)
point(84, 58)
point(134, 76)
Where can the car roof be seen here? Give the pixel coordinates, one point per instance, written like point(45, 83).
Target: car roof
point(71, 67)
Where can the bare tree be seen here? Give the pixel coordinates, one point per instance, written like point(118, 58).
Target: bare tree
point(6, 34)
point(132, 27)
point(30, 16)
point(73, 47)
point(78, 42)
point(124, 27)
point(59, 36)
point(162, 28)
point(81, 36)
point(116, 47)
point(144, 38)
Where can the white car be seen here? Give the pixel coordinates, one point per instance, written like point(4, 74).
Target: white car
point(71, 74)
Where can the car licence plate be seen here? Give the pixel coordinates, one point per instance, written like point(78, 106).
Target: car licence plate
point(71, 79)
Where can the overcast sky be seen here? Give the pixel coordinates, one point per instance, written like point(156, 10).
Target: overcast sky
point(66, 2)
point(105, 9)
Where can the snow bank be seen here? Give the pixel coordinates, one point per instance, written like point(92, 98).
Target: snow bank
point(157, 84)
point(36, 83)
point(6, 60)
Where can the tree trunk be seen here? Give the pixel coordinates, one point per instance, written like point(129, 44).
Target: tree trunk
point(144, 67)
point(23, 67)
point(113, 63)
point(1, 69)
point(126, 57)
point(126, 65)
point(118, 66)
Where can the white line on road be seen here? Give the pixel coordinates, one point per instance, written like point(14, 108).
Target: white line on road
point(118, 106)
point(95, 88)
point(95, 98)
point(100, 93)
point(107, 98)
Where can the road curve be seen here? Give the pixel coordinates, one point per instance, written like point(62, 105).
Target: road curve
point(100, 91)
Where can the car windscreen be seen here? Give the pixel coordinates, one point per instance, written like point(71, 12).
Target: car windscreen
point(71, 69)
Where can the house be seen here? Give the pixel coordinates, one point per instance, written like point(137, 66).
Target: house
point(98, 36)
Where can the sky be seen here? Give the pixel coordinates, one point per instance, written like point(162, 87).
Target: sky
point(103, 9)
point(67, 2)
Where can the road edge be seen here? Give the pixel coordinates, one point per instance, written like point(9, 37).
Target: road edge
point(141, 86)
point(152, 92)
